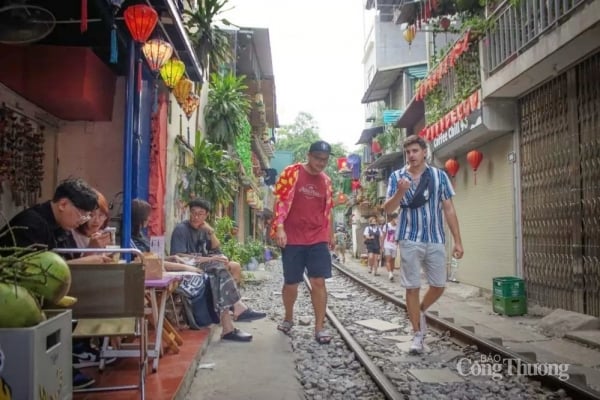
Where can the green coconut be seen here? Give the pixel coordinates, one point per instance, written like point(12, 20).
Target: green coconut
point(47, 275)
point(18, 308)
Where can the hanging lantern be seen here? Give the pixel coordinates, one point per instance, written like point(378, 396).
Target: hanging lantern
point(172, 72)
point(182, 90)
point(452, 167)
point(474, 158)
point(341, 198)
point(157, 53)
point(191, 104)
point(375, 147)
point(410, 33)
point(355, 185)
point(140, 20)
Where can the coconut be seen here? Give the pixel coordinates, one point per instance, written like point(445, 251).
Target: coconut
point(47, 275)
point(18, 308)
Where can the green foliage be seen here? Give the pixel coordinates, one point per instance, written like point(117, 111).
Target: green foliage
point(467, 78)
point(390, 138)
point(298, 137)
point(227, 108)
point(370, 192)
point(210, 42)
point(213, 175)
point(223, 227)
point(243, 146)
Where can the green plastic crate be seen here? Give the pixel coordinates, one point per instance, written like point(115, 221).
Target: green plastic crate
point(509, 286)
point(510, 305)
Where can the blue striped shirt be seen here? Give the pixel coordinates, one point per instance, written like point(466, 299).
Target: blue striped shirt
point(424, 224)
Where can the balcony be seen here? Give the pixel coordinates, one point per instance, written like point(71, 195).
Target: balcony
point(532, 40)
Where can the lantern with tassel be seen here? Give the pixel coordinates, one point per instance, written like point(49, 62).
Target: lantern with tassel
point(191, 104)
point(474, 158)
point(182, 90)
point(140, 20)
point(172, 72)
point(157, 53)
point(452, 166)
point(409, 34)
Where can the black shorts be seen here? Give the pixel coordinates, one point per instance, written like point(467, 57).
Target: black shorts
point(314, 258)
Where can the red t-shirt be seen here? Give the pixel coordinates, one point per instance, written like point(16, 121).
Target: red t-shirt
point(306, 223)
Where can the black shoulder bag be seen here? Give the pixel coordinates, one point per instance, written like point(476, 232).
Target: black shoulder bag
point(424, 191)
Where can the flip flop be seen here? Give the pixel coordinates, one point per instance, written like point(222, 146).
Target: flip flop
point(285, 326)
point(323, 336)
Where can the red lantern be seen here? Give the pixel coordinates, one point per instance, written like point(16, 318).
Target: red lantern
point(375, 147)
point(474, 158)
point(140, 20)
point(341, 198)
point(355, 185)
point(452, 167)
point(342, 164)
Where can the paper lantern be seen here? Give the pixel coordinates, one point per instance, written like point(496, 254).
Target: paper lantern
point(140, 20)
point(182, 90)
point(172, 72)
point(452, 167)
point(157, 52)
point(409, 34)
point(375, 147)
point(341, 198)
point(342, 164)
point(191, 104)
point(474, 158)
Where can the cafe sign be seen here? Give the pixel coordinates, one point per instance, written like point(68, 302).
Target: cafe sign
point(460, 128)
point(454, 117)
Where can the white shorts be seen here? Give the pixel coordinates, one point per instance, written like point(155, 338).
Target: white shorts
point(390, 252)
point(430, 256)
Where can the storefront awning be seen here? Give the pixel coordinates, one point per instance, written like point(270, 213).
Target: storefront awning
point(388, 160)
point(412, 114)
point(381, 83)
point(368, 134)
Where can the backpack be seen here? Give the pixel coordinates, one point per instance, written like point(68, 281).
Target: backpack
point(197, 301)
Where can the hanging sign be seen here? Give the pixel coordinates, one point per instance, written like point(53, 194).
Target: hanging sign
point(460, 128)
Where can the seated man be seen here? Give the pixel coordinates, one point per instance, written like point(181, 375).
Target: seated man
point(49, 224)
point(228, 295)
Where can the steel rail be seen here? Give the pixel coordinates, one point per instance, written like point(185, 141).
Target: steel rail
point(573, 388)
point(386, 386)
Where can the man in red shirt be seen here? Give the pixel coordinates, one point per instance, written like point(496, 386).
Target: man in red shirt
point(302, 227)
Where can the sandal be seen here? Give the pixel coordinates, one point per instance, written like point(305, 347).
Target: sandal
point(285, 326)
point(323, 336)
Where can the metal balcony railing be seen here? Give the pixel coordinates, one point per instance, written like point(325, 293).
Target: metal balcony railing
point(515, 27)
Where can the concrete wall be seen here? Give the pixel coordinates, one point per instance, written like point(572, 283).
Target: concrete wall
point(486, 214)
point(94, 150)
point(391, 48)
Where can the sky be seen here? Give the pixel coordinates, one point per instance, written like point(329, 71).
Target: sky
point(317, 48)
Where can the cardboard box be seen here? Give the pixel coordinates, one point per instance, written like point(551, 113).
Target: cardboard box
point(153, 266)
point(36, 361)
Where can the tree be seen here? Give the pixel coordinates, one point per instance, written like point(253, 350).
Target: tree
point(297, 138)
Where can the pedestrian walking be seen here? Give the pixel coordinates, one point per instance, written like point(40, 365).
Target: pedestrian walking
point(424, 195)
point(372, 236)
point(303, 228)
point(389, 244)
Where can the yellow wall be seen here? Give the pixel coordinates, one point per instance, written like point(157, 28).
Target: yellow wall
point(486, 215)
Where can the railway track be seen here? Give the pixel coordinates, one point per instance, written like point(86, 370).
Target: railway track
point(445, 330)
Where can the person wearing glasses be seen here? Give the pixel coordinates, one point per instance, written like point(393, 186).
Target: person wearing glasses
point(195, 237)
point(49, 225)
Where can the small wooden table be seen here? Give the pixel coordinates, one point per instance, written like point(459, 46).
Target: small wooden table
point(159, 291)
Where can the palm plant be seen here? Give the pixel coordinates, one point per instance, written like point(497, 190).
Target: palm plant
point(213, 175)
point(227, 108)
point(211, 42)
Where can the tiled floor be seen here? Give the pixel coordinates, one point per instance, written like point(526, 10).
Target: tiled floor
point(162, 385)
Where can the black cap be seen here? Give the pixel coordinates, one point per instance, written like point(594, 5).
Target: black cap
point(320, 146)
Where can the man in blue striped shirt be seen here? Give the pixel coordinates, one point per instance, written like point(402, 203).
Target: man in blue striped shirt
point(422, 192)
